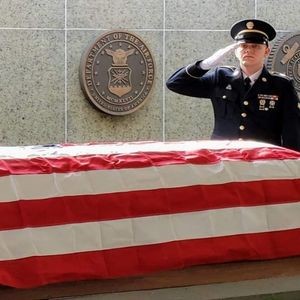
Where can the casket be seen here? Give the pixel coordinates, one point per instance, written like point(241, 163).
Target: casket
point(90, 211)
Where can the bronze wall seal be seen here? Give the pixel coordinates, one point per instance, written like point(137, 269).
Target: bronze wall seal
point(117, 72)
point(285, 57)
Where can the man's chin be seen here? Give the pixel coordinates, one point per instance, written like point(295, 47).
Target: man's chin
point(247, 62)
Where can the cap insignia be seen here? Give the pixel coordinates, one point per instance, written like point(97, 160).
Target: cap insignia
point(250, 25)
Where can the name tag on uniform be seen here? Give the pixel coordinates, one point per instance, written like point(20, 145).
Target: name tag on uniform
point(267, 102)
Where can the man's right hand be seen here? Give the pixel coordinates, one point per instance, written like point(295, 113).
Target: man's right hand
point(217, 58)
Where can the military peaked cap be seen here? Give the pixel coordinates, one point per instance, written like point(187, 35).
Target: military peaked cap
point(252, 31)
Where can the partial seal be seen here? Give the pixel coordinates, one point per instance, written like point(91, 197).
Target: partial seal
point(285, 57)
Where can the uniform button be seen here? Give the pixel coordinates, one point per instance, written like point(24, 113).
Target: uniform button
point(242, 127)
point(224, 97)
point(246, 102)
point(244, 115)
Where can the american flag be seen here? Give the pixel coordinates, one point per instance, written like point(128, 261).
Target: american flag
point(75, 212)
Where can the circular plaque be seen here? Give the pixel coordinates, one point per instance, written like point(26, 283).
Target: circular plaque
point(285, 57)
point(117, 72)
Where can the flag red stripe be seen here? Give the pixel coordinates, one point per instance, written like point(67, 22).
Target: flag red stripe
point(48, 165)
point(89, 208)
point(35, 271)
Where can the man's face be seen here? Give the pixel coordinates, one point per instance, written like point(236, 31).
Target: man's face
point(250, 54)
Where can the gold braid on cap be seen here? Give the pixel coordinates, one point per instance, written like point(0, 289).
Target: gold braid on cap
point(252, 30)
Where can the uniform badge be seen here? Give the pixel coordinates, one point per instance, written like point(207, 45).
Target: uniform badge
point(272, 104)
point(267, 102)
point(262, 104)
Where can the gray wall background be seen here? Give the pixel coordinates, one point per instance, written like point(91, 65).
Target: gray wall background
point(41, 43)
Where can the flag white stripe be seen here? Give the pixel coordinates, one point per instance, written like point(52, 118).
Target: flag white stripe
point(122, 148)
point(40, 186)
point(93, 236)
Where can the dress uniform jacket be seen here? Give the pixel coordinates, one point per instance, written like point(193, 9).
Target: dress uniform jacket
point(269, 111)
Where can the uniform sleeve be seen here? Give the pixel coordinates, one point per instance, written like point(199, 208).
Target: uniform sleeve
point(291, 119)
point(192, 81)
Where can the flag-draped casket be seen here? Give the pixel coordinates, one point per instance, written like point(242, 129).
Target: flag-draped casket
point(74, 212)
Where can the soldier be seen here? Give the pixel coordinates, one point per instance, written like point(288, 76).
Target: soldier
point(249, 102)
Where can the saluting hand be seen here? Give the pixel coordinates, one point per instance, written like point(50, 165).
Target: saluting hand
point(217, 58)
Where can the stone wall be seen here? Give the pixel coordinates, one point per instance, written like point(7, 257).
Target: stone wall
point(41, 43)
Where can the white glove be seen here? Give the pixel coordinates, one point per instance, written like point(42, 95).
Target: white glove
point(217, 58)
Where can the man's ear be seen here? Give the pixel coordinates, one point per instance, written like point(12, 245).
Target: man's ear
point(267, 51)
point(236, 52)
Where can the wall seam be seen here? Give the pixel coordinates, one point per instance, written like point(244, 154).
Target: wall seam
point(255, 9)
point(163, 75)
point(66, 78)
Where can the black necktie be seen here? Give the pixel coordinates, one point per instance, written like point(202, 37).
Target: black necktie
point(247, 82)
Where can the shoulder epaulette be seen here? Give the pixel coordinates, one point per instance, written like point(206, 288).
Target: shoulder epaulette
point(232, 68)
point(282, 75)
